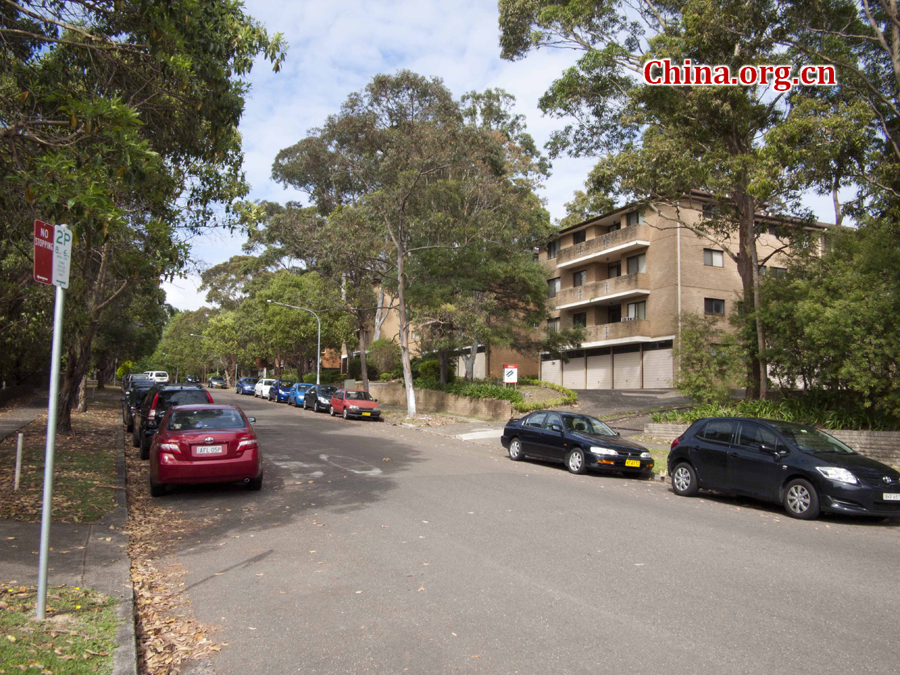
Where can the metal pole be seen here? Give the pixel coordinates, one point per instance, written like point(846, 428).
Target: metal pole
point(18, 461)
point(318, 348)
point(51, 447)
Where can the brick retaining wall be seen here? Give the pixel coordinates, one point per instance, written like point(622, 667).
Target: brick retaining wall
point(430, 400)
point(883, 446)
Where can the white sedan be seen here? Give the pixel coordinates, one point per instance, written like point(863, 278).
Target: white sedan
point(261, 390)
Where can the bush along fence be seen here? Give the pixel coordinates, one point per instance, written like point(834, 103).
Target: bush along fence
point(499, 392)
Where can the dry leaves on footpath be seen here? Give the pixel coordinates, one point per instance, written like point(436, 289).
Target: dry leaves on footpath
point(167, 631)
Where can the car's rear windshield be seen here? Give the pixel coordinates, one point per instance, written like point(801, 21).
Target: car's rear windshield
point(139, 376)
point(250, 380)
point(167, 399)
point(358, 396)
point(812, 440)
point(187, 420)
point(217, 378)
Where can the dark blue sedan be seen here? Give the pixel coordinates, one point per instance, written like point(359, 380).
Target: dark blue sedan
point(578, 441)
point(279, 390)
point(245, 385)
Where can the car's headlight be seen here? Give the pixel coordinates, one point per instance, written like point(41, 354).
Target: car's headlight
point(353, 407)
point(646, 455)
point(838, 474)
point(604, 451)
point(324, 399)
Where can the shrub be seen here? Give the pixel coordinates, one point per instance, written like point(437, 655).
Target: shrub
point(124, 369)
point(386, 377)
point(309, 378)
point(569, 397)
point(354, 370)
point(711, 362)
point(385, 354)
point(431, 370)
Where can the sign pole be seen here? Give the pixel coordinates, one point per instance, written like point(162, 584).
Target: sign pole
point(49, 453)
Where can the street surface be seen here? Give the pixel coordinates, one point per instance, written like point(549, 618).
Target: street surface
point(383, 549)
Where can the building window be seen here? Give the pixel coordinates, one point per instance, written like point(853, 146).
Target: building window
point(615, 226)
point(637, 310)
point(634, 218)
point(579, 237)
point(713, 258)
point(552, 325)
point(552, 249)
point(772, 271)
point(614, 314)
point(552, 287)
point(578, 278)
point(708, 211)
point(614, 270)
point(714, 306)
point(637, 263)
point(579, 320)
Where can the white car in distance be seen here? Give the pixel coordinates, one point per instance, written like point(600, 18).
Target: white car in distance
point(261, 390)
point(157, 376)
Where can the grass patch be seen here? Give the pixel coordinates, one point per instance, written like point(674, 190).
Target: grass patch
point(660, 457)
point(78, 636)
point(84, 476)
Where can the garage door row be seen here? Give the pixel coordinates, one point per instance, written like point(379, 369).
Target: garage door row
point(636, 366)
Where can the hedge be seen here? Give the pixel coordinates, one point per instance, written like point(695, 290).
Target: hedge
point(496, 391)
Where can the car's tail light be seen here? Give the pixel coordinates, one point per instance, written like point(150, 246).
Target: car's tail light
point(153, 406)
point(247, 444)
point(209, 397)
point(169, 447)
point(675, 443)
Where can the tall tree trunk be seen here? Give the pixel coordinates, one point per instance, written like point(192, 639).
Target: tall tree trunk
point(404, 336)
point(81, 405)
point(443, 362)
point(364, 366)
point(380, 314)
point(748, 267)
point(469, 360)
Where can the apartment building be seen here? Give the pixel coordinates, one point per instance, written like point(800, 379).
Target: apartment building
point(625, 278)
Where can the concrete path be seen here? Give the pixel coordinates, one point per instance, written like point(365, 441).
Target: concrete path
point(15, 418)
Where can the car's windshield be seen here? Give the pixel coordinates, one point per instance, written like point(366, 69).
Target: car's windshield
point(327, 391)
point(167, 399)
point(267, 382)
point(586, 425)
point(250, 380)
point(812, 440)
point(216, 378)
point(358, 396)
point(187, 420)
point(286, 383)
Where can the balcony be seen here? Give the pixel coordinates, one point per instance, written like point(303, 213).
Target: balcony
point(622, 331)
point(615, 290)
point(618, 242)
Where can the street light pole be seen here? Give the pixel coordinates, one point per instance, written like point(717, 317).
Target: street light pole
point(319, 342)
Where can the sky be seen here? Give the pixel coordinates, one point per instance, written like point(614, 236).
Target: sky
point(336, 47)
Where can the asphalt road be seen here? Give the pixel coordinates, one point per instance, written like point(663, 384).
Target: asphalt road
point(382, 549)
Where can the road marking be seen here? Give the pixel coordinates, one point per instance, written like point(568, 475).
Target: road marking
point(477, 435)
point(368, 472)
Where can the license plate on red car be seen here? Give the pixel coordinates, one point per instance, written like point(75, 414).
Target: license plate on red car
point(366, 414)
point(209, 449)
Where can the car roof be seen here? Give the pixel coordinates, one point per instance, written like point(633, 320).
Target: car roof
point(207, 406)
point(175, 387)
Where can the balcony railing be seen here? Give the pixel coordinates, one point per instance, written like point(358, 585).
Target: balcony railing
point(596, 246)
point(615, 331)
point(597, 292)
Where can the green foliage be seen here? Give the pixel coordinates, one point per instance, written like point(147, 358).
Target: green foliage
point(808, 409)
point(711, 361)
point(385, 354)
point(354, 369)
point(569, 397)
point(309, 378)
point(472, 390)
point(125, 369)
point(431, 370)
point(386, 377)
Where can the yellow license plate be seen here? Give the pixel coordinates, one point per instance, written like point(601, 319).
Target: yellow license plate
point(366, 414)
point(633, 462)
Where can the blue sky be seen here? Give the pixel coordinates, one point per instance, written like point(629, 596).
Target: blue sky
point(336, 47)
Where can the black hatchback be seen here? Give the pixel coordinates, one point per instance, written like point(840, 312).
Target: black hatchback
point(318, 397)
point(579, 441)
point(803, 468)
point(154, 406)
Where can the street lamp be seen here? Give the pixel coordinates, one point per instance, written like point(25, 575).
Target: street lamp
point(319, 343)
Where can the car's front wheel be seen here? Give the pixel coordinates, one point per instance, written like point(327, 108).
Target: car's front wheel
point(331, 410)
point(515, 450)
point(684, 480)
point(801, 500)
point(575, 461)
point(346, 415)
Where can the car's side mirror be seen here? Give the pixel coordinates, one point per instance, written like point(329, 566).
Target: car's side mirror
point(252, 420)
point(555, 427)
point(771, 449)
point(375, 399)
point(616, 433)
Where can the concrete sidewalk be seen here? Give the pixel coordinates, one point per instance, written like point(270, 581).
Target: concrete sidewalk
point(91, 555)
point(16, 418)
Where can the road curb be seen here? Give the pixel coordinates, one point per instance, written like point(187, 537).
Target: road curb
point(125, 654)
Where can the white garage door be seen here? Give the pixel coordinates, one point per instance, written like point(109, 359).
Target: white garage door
point(599, 372)
point(551, 372)
point(627, 370)
point(573, 373)
point(658, 369)
point(478, 372)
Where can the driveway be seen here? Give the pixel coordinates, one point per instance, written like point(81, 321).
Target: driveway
point(603, 402)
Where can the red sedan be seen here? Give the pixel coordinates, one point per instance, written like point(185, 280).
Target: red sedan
point(205, 444)
point(354, 403)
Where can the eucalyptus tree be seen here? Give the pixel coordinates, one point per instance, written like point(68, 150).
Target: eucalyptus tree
point(658, 144)
point(119, 118)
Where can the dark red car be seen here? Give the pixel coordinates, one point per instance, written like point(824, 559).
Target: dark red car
point(354, 403)
point(205, 444)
